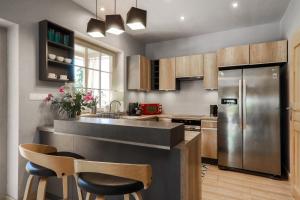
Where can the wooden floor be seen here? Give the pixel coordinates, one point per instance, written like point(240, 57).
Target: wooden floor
point(226, 185)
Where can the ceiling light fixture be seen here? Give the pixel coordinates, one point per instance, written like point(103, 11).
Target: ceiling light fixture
point(115, 23)
point(235, 4)
point(96, 27)
point(102, 9)
point(136, 18)
point(182, 18)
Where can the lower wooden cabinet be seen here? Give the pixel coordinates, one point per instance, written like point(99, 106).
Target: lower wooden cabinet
point(167, 74)
point(209, 140)
point(210, 81)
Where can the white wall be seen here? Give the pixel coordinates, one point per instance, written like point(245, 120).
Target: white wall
point(27, 14)
point(290, 22)
point(3, 106)
point(192, 98)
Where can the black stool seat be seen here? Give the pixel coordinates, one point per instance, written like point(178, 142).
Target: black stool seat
point(101, 184)
point(37, 170)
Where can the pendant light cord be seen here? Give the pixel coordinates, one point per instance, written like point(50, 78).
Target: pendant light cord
point(136, 3)
point(115, 6)
point(96, 9)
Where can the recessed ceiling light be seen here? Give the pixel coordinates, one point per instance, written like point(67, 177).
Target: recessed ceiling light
point(102, 9)
point(235, 4)
point(182, 18)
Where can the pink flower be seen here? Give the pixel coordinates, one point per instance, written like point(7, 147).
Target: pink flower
point(61, 89)
point(49, 98)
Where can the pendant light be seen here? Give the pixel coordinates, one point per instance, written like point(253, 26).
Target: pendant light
point(96, 27)
point(136, 18)
point(115, 23)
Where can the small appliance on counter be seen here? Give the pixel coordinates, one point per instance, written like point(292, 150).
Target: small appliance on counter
point(213, 110)
point(134, 109)
point(151, 109)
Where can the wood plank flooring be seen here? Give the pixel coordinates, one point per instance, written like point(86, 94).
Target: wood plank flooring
point(226, 185)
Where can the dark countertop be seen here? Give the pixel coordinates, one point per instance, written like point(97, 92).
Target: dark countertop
point(161, 135)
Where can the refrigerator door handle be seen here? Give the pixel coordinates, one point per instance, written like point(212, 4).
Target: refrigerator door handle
point(244, 104)
point(240, 103)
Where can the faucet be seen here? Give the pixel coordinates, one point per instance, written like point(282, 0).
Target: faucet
point(114, 101)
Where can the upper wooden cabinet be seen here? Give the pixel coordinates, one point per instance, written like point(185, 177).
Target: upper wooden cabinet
point(189, 66)
point(167, 74)
point(138, 73)
point(234, 56)
point(210, 81)
point(270, 52)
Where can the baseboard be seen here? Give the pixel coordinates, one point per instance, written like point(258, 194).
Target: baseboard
point(8, 198)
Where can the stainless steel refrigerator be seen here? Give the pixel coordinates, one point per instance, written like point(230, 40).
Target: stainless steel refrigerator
point(249, 119)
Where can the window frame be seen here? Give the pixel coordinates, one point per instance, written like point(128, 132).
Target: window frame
point(88, 45)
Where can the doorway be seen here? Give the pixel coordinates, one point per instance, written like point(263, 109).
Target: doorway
point(3, 110)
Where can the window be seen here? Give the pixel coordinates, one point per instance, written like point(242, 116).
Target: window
point(93, 71)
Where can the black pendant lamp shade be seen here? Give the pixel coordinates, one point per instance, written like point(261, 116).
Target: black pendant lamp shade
point(136, 19)
point(96, 28)
point(115, 24)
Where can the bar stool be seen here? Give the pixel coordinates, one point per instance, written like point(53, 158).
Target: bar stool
point(45, 162)
point(105, 179)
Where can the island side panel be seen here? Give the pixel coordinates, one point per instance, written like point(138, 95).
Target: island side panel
point(166, 164)
point(191, 169)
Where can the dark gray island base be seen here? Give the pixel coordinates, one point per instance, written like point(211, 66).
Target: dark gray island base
point(173, 155)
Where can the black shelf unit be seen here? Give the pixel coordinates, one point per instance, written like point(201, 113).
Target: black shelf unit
point(59, 48)
point(154, 74)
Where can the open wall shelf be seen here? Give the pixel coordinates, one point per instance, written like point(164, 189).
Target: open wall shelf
point(57, 40)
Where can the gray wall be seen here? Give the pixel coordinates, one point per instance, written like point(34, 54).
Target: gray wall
point(27, 14)
point(192, 98)
point(3, 106)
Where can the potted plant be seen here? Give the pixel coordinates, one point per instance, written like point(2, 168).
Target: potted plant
point(91, 102)
point(70, 101)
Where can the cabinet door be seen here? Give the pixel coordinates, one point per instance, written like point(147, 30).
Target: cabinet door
point(270, 52)
point(209, 148)
point(133, 72)
point(167, 74)
point(234, 56)
point(210, 80)
point(182, 66)
point(145, 74)
point(196, 65)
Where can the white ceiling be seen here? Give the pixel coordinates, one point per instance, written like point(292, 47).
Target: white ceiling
point(201, 16)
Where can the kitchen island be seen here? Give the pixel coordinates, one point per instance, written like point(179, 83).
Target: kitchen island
point(173, 154)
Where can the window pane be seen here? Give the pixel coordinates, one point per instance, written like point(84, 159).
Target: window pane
point(79, 61)
point(105, 81)
point(106, 63)
point(93, 79)
point(94, 59)
point(105, 98)
point(79, 77)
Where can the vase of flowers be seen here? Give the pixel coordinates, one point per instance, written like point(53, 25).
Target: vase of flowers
point(70, 101)
point(91, 101)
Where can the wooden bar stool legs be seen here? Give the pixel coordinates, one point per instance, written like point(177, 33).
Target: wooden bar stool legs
point(136, 195)
point(28, 189)
point(42, 188)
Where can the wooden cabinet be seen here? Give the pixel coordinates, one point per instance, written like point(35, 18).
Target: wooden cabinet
point(209, 147)
point(270, 52)
point(189, 66)
point(138, 73)
point(167, 74)
point(234, 56)
point(210, 81)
